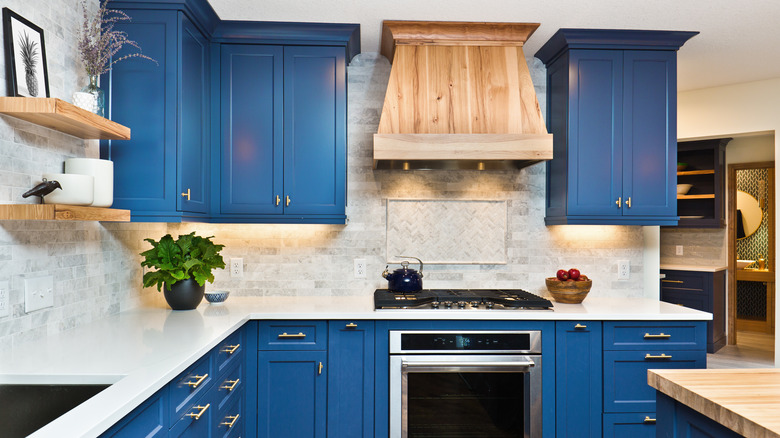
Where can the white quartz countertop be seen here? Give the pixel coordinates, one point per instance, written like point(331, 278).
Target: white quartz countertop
point(697, 268)
point(140, 350)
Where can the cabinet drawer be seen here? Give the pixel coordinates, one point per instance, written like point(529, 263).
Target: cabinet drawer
point(230, 421)
point(229, 386)
point(229, 351)
point(190, 426)
point(689, 298)
point(685, 280)
point(190, 385)
point(673, 335)
point(296, 335)
point(634, 425)
point(625, 376)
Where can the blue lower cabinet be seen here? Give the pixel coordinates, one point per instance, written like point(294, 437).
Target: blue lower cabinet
point(633, 425)
point(149, 420)
point(578, 383)
point(675, 420)
point(351, 379)
point(197, 422)
point(230, 421)
point(292, 393)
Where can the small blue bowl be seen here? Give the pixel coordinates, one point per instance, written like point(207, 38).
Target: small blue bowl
point(217, 296)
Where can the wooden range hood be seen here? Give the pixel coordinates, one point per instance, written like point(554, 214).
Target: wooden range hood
point(460, 96)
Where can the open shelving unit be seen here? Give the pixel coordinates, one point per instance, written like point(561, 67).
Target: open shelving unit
point(62, 116)
point(61, 212)
point(704, 204)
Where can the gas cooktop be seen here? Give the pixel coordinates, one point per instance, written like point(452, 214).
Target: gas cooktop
point(505, 299)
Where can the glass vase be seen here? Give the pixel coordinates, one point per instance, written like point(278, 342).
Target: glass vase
point(99, 103)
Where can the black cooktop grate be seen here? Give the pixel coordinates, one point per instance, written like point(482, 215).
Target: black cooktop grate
point(484, 298)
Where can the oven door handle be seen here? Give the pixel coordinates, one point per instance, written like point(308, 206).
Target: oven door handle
point(522, 364)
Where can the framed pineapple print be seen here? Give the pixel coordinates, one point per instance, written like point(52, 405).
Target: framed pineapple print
point(25, 57)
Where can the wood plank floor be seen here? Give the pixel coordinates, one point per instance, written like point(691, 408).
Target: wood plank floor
point(753, 350)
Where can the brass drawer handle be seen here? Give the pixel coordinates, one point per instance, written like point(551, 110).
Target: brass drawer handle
point(649, 420)
point(230, 384)
point(203, 410)
point(186, 194)
point(580, 326)
point(230, 349)
point(277, 200)
point(351, 325)
point(198, 381)
point(319, 371)
point(619, 199)
point(661, 335)
point(628, 202)
point(661, 356)
point(294, 335)
point(671, 281)
point(229, 424)
point(287, 201)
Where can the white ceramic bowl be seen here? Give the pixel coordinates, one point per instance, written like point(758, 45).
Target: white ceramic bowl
point(683, 188)
point(76, 189)
point(102, 171)
point(217, 296)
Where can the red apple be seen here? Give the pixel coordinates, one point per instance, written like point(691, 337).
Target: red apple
point(562, 275)
point(574, 274)
point(583, 278)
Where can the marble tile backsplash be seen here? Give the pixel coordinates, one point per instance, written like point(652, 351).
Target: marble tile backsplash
point(701, 246)
point(96, 266)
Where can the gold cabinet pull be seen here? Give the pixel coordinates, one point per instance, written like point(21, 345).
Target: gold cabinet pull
point(628, 202)
point(661, 335)
point(294, 335)
point(351, 325)
point(671, 281)
point(649, 420)
point(619, 200)
point(232, 418)
point(202, 411)
point(230, 384)
point(287, 201)
point(186, 194)
point(230, 349)
point(198, 381)
point(319, 369)
point(278, 200)
point(580, 326)
point(660, 356)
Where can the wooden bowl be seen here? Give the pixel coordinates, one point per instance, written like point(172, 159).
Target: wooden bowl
point(568, 292)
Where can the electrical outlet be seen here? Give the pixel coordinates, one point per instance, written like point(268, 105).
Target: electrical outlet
point(236, 267)
point(5, 305)
point(624, 270)
point(678, 249)
point(360, 268)
point(38, 293)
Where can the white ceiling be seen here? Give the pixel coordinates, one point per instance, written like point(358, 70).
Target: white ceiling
point(738, 41)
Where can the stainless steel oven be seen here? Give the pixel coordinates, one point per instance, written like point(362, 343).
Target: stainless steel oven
point(485, 384)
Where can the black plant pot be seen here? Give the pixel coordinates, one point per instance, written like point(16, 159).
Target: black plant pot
point(184, 294)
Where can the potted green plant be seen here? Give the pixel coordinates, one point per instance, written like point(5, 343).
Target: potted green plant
point(182, 267)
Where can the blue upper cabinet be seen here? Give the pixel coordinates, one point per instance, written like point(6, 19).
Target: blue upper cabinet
point(283, 141)
point(161, 174)
point(611, 101)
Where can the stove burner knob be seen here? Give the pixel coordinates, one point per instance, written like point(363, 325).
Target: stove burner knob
point(475, 303)
point(435, 304)
point(461, 304)
point(448, 304)
point(489, 305)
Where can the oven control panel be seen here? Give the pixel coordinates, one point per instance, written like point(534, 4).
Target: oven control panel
point(465, 342)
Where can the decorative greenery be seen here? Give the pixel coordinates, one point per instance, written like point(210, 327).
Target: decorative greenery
point(189, 256)
point(99, 42)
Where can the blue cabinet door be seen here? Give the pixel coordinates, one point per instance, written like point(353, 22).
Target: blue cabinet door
point(351, 379)
point(292, 394)
point(315, 102)
point(578, 383)
point(650, 133)
point(633, 425)
point(193, 127)
point(149, 420)
point(595, 150)
point(251, 139)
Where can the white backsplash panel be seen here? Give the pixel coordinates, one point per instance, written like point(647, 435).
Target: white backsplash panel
point(447, 231)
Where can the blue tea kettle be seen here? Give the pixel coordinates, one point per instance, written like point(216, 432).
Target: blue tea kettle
point(404, 279)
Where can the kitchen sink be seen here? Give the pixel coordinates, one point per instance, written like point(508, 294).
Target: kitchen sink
point(27, 408)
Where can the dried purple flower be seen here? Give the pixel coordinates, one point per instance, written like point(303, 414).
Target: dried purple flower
point(99, 42)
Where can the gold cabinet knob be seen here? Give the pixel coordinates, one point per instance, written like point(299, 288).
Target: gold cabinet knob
point(277, 200)
point(186, 194)
point(319, 370)
point(287, 201)
point(628, 202)
point(619, 201)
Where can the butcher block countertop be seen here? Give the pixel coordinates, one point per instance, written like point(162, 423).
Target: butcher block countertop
point(746, 401)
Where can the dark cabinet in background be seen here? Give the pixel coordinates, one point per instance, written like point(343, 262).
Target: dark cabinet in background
point(611, 103)
point(704, 205)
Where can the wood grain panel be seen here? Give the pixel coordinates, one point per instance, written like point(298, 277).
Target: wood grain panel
point(64, 117)
point(746, 401)
point(62, 212)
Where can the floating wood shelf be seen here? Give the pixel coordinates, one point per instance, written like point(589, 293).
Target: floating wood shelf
point(696, 172)
point(60, 212)
point(708, 196)
point(64, 117)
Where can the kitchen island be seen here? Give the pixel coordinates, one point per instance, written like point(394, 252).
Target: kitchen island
point(716, 402)
point(140, 350)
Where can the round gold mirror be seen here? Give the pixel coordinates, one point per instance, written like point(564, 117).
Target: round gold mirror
point(749, 215)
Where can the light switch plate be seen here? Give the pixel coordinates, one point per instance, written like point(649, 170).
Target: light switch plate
point(5, 300)
point(38, 293)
